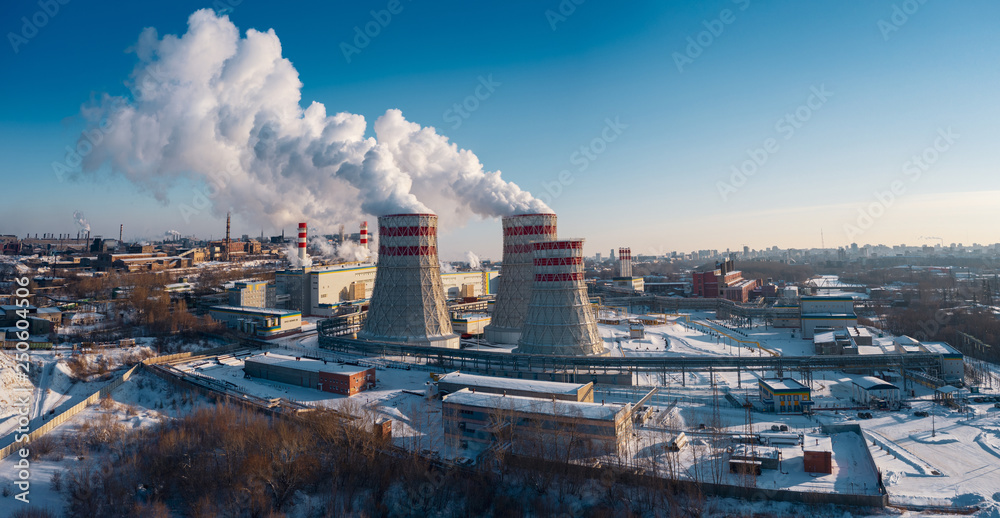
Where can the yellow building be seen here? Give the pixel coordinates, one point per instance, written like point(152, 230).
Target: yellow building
point(785, 395)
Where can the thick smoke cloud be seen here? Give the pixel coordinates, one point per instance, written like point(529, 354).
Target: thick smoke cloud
point(225, 112)
point(81, 221)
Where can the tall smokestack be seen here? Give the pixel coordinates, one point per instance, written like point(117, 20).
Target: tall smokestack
point(302, 244)
point(559, 320)
point(121, 230)
point(226, 253)
point(624, 262)
point(517, 273)
point(363, 236)
point(408, 303)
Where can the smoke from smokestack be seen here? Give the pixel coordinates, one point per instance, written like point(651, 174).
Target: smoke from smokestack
point(255, 148)
point(81, 221)
point(473, 260)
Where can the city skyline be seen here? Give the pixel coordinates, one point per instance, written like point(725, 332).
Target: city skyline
point(665, 128)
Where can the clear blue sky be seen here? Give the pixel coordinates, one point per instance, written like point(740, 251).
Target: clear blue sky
point(893, 87)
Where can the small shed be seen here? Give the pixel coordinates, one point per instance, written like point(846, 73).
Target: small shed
point(817, 453)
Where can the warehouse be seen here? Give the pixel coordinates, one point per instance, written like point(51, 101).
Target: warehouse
point(826, 312)
point(875, 393)
point(317, 374)
point(576, 392)
point(535, 426)
point(263, 322)
point(469, 324)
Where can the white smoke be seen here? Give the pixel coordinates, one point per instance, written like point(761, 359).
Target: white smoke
point(172, 235)
point(352, 251)
point(473, 260)
point(292, 255)
point(326, 248)
point(225, 111)
point(446, 267)
point(81, 221)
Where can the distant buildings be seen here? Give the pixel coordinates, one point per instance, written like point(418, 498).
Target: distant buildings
point(725, 282)
point(253, 294)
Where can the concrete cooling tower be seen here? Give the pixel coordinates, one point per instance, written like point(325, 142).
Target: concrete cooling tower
point(408, 303)
point(559, 320)
point(520, 232)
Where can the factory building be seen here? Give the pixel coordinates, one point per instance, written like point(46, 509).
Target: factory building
point(319, 290)
point(470, 324)
point(625, 281)
point(316, 374)
point(520, 232)
point(952, 367)
point(252, 294)
point(784, 395)
point(876, 393)
point(724, 281)
point(827, 313)
point(552, 390)
point(560, 319)
point(535, 426)
point(263, 322)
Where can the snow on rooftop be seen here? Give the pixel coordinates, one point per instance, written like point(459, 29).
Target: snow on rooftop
point(550, 387)
point(784, 384)
point(817, 442)
point(530, 405)
point(305, 364)
point(871, 382)
point(255, 311)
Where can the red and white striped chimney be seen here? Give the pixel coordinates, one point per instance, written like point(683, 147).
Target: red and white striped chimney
point(364, 234)
point(302, 244)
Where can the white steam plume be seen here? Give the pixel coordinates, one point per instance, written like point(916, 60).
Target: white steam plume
point(81, 221)
point(292, 255)
point(473, 260)
point(225, 111)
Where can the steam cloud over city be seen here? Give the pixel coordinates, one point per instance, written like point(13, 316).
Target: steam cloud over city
point(225, 111)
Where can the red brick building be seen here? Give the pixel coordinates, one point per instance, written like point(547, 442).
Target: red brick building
point(306, 372)
point(724, 281)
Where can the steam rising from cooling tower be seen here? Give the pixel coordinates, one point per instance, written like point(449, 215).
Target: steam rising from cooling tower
point(559, 319)
point(251, 145)
point(408, 302)
point(520, 232)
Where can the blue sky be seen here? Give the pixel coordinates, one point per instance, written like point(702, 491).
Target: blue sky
point(895, 76)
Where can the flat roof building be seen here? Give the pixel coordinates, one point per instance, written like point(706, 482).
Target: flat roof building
point(316, 374)
point(784, 395)
point(576, 392)
point(537, 427)
point(264, 322)
point(876, 393)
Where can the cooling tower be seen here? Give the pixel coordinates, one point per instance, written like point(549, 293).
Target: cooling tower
point(559, 319)
point(408, 303)
point(520, 232)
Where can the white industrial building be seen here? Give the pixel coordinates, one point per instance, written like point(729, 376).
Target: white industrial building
point(826, 314)
point(254, 294)
point(875, 392)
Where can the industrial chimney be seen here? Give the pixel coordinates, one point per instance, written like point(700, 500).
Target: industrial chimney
point(624, 262)
point(302, 245)
point(408, 303)
point(560, 320)
point(520, 232)
point(363, 236)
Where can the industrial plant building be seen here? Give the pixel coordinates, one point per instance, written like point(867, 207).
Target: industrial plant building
point(317, 374)
point(817, 454)
point(263, 322)
point(725, 281)
point(875, 392)
point(826, 313)
point(784, 395)
point(952, 368)
point(535, 426)
point(575, 392)
point(252, 294)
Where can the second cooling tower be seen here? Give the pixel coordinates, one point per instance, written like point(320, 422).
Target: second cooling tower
point(559, 318)
point(408, 303)
point(520, 232)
